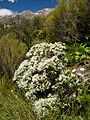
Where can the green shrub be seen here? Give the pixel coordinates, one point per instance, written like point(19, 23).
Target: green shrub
point(11, 54)
point(46, 81)
point(69, 22)
point(38, 36)
point(78, 53)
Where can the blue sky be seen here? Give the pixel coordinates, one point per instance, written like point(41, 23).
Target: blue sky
point(22, 5)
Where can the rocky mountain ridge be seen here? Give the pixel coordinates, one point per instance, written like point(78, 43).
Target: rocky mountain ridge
point(25, 14)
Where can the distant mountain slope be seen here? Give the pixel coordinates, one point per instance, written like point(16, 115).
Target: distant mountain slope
point(25, 14)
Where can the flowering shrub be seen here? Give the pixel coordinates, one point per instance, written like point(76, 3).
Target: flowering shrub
point(43, 105)
point(43, 76)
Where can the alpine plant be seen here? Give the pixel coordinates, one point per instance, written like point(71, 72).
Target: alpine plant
point(43, 77)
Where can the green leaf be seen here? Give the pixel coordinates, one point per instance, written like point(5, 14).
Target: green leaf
point(86, 37)
point(87, 50)
point(89, 73)
point(79, 118)
point(83, 56)
point(77, 53)
point(77, 57)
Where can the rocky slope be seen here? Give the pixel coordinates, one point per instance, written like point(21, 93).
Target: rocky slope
point(84, 71)
point(25, 14)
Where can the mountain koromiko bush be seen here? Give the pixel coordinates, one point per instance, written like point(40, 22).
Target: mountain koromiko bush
point(11, 54)
point(69, 21)
point(38, 36)
point(44, 78)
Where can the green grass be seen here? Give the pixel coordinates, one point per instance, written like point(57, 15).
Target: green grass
point(14, 106)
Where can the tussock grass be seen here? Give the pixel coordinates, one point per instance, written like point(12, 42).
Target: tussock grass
point(14, 106)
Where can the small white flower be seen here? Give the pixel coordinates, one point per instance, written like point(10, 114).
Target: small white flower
point(80, 74)
point(82, 69)
point(74, 95)
point(73, 75)
point(74, 70)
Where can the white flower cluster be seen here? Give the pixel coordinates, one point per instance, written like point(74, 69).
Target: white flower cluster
point(43, 60)
point(42, 75)
point(43, 105)
point(67, 82)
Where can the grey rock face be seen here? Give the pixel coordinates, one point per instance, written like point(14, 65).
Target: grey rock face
point(25, 14)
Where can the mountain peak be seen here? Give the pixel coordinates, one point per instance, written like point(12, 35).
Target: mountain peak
point(29, 14)
point(26, 14)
